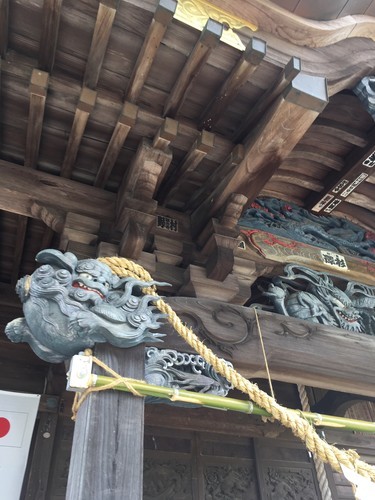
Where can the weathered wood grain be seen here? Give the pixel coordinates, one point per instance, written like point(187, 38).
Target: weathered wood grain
point(336, 186)
point(162, 17)
point(297, 351)
point(107, 452)
point(20, 186)
point(208, 40)
point(50, 32)
point(102, 31)
point(122, 128)
point(4, 18)
point(247, 64)
point(279, 85)
point(84, 107)
point(38, 93)
point(271, 18)
point(275, 136)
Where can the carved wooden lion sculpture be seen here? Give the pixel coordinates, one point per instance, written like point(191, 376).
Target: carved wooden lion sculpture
point(71, 304)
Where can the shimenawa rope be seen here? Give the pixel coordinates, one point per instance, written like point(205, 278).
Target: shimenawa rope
point(300, 427)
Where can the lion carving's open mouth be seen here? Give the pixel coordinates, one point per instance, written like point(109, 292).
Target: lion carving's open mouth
point(78, 284)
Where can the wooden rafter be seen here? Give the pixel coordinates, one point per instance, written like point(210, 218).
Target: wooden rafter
point(122, 128)
point(359, 166)
point(85, 105)
point(38, 93)
point(4, 17)
point(102, 31)
point(339, 130)
point(247, 64)
point(50, 31)
point(359, 215)
point(208, 40)
point(290, 71)
point(317, 155)
point(199, 149)
point(230, 163)
point(276, 134)
point(162, 17)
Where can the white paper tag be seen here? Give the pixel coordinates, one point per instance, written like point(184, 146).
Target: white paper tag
point(365, 489)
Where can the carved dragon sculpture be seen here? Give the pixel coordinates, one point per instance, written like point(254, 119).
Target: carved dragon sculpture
point(71, 304)
point(313, 296)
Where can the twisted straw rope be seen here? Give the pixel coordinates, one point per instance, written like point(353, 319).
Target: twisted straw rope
point(318, 463)
point(300, 427)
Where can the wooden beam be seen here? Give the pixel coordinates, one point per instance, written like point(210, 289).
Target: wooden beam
point(4, 19)
point(247, 64)
point(290, 71)
point(297, 351)
point(162, 17)
point(276, 134)
point(208, 40)
point(21, 186)
point(107, 451)
point(38, 92)
point(125, 122)
point(50, 32)
point(102, 31)
point(230, 162)
point(272, 18)
point(18, 250)
point(85, 106)
point(206, 420)
point(359, 166)
point(199, 149)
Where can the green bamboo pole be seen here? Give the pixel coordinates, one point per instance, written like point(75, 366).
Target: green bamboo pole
point(224, 403)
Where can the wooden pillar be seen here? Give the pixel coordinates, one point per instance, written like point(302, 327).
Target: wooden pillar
point(107, 453)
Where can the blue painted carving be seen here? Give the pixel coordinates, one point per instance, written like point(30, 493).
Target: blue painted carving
point(313, 296)
point(290, 221)
point(71, 304)
point(170, 368)
point(365, 91)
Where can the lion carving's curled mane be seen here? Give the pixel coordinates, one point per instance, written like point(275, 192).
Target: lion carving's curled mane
point(71, 304)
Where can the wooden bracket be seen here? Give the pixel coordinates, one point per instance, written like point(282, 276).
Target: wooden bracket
point(80, 235)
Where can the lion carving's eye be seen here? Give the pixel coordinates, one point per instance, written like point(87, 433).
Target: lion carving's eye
point(85, 275)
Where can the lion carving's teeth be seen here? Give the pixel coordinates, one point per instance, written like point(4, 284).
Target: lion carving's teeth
point(77, 284)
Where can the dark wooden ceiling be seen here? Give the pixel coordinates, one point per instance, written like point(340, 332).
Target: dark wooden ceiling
point(86, 84)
